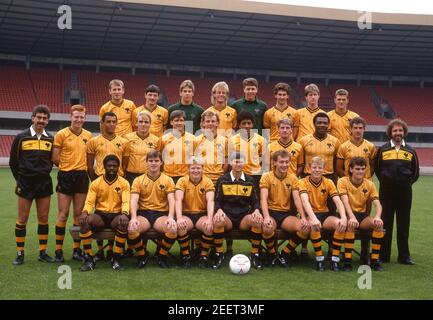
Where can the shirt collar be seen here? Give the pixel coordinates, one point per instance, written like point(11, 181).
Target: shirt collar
point(402, 143)
point(233, 177)
point(33, 132)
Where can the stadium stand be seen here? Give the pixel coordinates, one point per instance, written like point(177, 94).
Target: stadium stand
point(16, 92)
point(5, 145)
point(20, 90)
point(414, 105)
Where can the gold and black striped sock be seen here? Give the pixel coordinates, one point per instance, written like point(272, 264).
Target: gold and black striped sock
point(20, 235)
point(184, 244)
point(206, 243)
point(376, 241)
point(270, 242)
point(349, 240)
point(43, 236)
point(218, 239)
point(135, 242)
point(167, 242)
point(316, 239)
point(60, 234)
point(337, 242)
point(256, 239)
point(86, 238)
point(100, 244)
point(77, 242)
point(295, 238)
point(119, 243)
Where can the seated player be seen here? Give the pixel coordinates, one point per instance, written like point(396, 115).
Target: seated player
point(194, 208)
point(237, 207)
point(356, 192)
point(152, 206)
point(315, 190)
point(109, 196)
point(278, 193)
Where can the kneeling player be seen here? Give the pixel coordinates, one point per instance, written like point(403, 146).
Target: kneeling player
point(152, 206)
point(315, 190)
point(356, 192)
point(278, 192)
point(237, 206)
point(194, 207)
point(109, 195)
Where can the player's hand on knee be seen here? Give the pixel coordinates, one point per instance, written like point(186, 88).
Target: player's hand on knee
point(352, 224)
point(267, 223)
point(84, 218)
point(133, 225)
point(208, 225)
point(342, 225)
point(315, 224)
point(171, 225)
point(123, 222)
point(220, 217)
point(305, 225)
point(378, 223)
point(182, 224)
point(257, 217)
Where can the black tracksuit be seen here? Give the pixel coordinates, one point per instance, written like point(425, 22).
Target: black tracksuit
point(397, 171)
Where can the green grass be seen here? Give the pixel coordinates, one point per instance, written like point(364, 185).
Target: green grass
point(35, 280)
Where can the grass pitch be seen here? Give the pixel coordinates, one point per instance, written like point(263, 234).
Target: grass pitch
point(35, 280)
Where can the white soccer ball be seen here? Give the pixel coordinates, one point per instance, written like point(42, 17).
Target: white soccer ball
point(240, 264)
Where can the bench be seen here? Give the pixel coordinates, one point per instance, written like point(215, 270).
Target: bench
point(280, 235)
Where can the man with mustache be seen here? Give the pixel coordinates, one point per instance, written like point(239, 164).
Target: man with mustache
point(397, 168)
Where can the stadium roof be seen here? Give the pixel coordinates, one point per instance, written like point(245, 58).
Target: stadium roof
point(247, 35)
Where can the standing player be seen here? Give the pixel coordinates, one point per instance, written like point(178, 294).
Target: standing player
point(140, 142)
point(109, 196)
point(227, 115)
point(106, 143)
point(30, 163)
point(153, 206)
point(194, 208)
point(285, 142)
point(279, 111)
point(237, 207)
point(340, 117)
point(69, 154)
point(122, 108)
point(252, 146)
point(315, 190)
point(303, 123)
point(192, 110)
point(159, 114)
point(356, 146)
point(356, 193)
point(212, 147)
point(279, 196)
point(250, 103)
point(320, 144)
point(177, 146)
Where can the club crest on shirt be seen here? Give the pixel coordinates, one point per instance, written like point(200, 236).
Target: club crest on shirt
point(117, 189)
